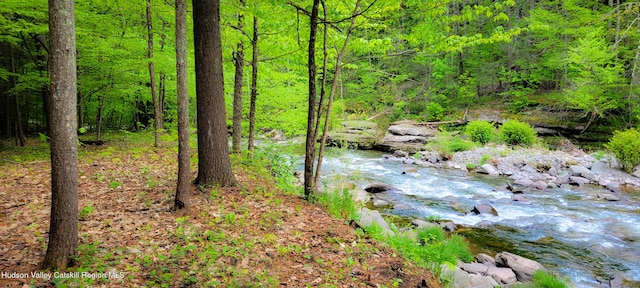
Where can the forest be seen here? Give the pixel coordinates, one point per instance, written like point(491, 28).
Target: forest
point(241, 69)
point(408, 59)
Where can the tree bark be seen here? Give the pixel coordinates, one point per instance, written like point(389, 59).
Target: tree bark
point(214, 165)
point(310, 147)
point(63, 229)
point(182, 200)
point(157, 108)
point(16, 101)
point(238, 59)
point(254, 87)
point(332, 92)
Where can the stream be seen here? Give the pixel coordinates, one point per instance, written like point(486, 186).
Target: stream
point(569, 231)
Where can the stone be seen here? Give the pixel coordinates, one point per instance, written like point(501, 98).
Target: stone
point(522, 267)
point(412, 130)
point(528, 168)
point(423, 224)
point(524, 182)
point(577, 180)
point(372, 217)
point(360, 196)
point(581, 171)
point(474, 268)
point(484, 209)
point(519, 198)
point(380, 187)
point(356, 134)
point(609, 197)
point(448, 226)
point(636, 171)
point(485, 259)
point(400, 153)
point(478, 281)
point(410, 144)
point(553, 171)
point(502, 275)
point(431, 156)
point(401, 206)
point(599, 166)
point(613, 186)
point(379, 203)
point(540, 185)
point(488, 169)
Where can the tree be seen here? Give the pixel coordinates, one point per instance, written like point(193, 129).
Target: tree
point(184, 151)
point(238, 60)
point(595, 74)
point(63, 228)
point(254, 86)
point(310, 146)
point(157, 107)
point(214, 165)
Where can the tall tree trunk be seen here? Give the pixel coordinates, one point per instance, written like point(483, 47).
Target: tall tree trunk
point(310, 147)
point(332, 92)
point(214, 164)
point(63, 229)
point(80, 109)
point(16, 101)
point(254, 86)
point(157, 110)
point(99, 117)
point(182, 200)
point(238, 59)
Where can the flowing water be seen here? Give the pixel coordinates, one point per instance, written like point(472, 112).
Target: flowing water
point(569, 231)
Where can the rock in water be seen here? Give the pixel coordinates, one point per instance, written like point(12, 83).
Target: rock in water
point(380, 187)
point(522, 267)
point(484, 209)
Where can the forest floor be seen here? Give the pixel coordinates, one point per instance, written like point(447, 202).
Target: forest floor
point(252, 235)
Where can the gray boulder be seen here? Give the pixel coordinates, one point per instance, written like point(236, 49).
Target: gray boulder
point(369, 218)
point(448, 226)
point(522, 267)
point(485, 259)
point(484, 209)
point(380, 187)
point(431, 156)
point(488, 169)
point(524, 182)
point(581, 171)
point(519, 198)
point(400, 153)
point(636, 171)
point(379, 203)
point(474, 268)
point(613, 186)
point(502, 275)
point(405, 129)
point(528, 168)
point(360, 196)
point(540, 185)
point(577, 180)
point(609, 197)
point(599, 166)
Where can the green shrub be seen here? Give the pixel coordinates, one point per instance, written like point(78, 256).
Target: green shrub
point(514, 132)
point(542, 279)
point(480, 131)
point(625, 145)
point(435, 112)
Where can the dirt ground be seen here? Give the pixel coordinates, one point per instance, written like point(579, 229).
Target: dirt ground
point(252, 235)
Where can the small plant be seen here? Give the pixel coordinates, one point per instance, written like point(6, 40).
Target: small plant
point(514, 132)
point(86, 212)
point(542, 279)
point(625, 145)
point(115, 184)
point(599, 155)
point(471, 166)
point(480, 131)
point(485, 159)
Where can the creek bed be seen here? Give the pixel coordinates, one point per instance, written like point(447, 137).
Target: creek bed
point(569, 231)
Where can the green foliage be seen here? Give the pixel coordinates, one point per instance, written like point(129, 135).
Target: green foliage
point(447, 144)
point(542, 279)
point(625, 145)
point(434, 111)
point(339, 204)
point(514, 132)
point(480, 131)
point(86, 212)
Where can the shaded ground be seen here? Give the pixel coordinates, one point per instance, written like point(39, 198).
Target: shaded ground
point(253, 235)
